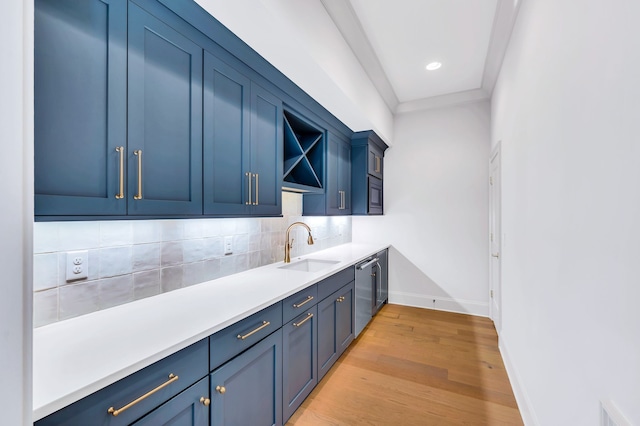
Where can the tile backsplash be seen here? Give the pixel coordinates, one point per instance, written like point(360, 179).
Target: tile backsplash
point(130, 260)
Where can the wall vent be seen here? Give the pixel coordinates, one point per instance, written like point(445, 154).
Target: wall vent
point(611, 416)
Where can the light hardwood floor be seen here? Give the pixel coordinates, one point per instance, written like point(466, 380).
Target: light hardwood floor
point(415, 366)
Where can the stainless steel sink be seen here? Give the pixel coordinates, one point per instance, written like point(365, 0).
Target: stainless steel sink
point(309, 265)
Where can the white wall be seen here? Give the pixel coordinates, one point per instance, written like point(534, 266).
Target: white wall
point(567, 110)
point(16, 215)
point(436, 195)
point(300, 39)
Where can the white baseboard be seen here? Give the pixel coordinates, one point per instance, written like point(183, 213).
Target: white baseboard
point(440, 303)
point(522, 398)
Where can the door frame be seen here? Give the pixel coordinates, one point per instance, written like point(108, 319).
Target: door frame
point(495, 230)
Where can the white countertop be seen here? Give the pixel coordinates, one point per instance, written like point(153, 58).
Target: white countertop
point(76, 357)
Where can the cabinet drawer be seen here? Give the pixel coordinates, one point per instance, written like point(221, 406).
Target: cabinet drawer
point(234, 339)
point(334, 282)
point(188, 365)
point(296, 304)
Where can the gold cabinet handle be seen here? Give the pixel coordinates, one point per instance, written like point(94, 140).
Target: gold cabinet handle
point(308, 317)
point(340, 299)
point(138, 153)
point(378, 164)
point(205, 401)
point(307, 300)
point(257, 190)
point(264, 324)
point(120, 194)
point(221, 389)
point(496, 255)
point(114, 412)
point(248, 175)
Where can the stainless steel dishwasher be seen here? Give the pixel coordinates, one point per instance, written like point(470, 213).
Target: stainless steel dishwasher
point(365, 300)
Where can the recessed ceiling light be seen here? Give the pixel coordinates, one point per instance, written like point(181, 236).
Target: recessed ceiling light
point(433, 66)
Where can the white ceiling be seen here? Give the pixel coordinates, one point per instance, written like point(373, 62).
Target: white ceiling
point(395, 40)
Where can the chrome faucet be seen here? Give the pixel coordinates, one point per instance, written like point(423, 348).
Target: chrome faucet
point(288, 245)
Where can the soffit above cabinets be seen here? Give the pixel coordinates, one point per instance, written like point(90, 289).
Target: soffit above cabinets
point(395, 40)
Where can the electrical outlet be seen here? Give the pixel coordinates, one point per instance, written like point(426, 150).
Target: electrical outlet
point(77, 265)
point(228, 245)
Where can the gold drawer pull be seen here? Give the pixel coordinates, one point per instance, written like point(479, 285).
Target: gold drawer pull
point(205, 401)
point(264, 324)
point(221, 390)
point(307, 300)
point(340, 299)
point(120, 194)
point(248, 175)
point(114, 412)
point(138, 153)
point(298, 324)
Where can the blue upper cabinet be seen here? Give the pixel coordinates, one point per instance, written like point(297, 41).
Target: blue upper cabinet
point(227, 117)
point(242, 144)
point(336, 199)
point(165, 119)
point(80, 106)
point(266, 152)
point(367, 166)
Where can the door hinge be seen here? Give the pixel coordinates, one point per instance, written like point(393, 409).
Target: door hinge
point(491, 236)
point(491, 180)
point(492, 294)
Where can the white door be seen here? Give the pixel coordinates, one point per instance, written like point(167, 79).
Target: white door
point(494, 239)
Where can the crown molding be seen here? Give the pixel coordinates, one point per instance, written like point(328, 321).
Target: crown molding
point(345, 19)
point(503, 23)
point(450, 99)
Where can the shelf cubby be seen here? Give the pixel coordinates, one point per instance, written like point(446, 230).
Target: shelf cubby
point(303, 153)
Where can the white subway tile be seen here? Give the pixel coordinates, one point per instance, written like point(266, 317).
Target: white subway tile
point(193, 273)
point(146, 284)
point(241, 243)
point(193, 250)
point(45, 237)
point(145, 257)
point(79, 299)
point(172, 253)
point(211, 269)
point(79, 235)
point(171, 278)
point(172, 230)
point(115, 261)
point(45, 307)
point(116, 291)
point(213, 247)
point(146, 231)
point(193, 228)
point(116, 233)
point(45, 271)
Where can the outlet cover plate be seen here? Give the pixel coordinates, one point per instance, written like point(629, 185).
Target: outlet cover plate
point(77, 265)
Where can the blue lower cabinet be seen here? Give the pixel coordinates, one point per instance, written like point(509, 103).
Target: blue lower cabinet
point(248, 389)
point(335, 327)
point(190, 408)
point(120, 404)
point(299, 360)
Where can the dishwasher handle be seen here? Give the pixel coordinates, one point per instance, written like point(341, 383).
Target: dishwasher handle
point(370, 262)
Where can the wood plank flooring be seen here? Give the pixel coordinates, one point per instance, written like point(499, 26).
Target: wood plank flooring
point(415, 366)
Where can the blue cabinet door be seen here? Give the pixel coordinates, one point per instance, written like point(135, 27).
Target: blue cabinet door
point(188, 408)
point(227, 118)
point(327, 345)
point(299, 360)
point(336, 199)
point(248, 389)
point(79, 106)
point(266, 152)
point(335, 327)
point(164, 119)
point(345, 318)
